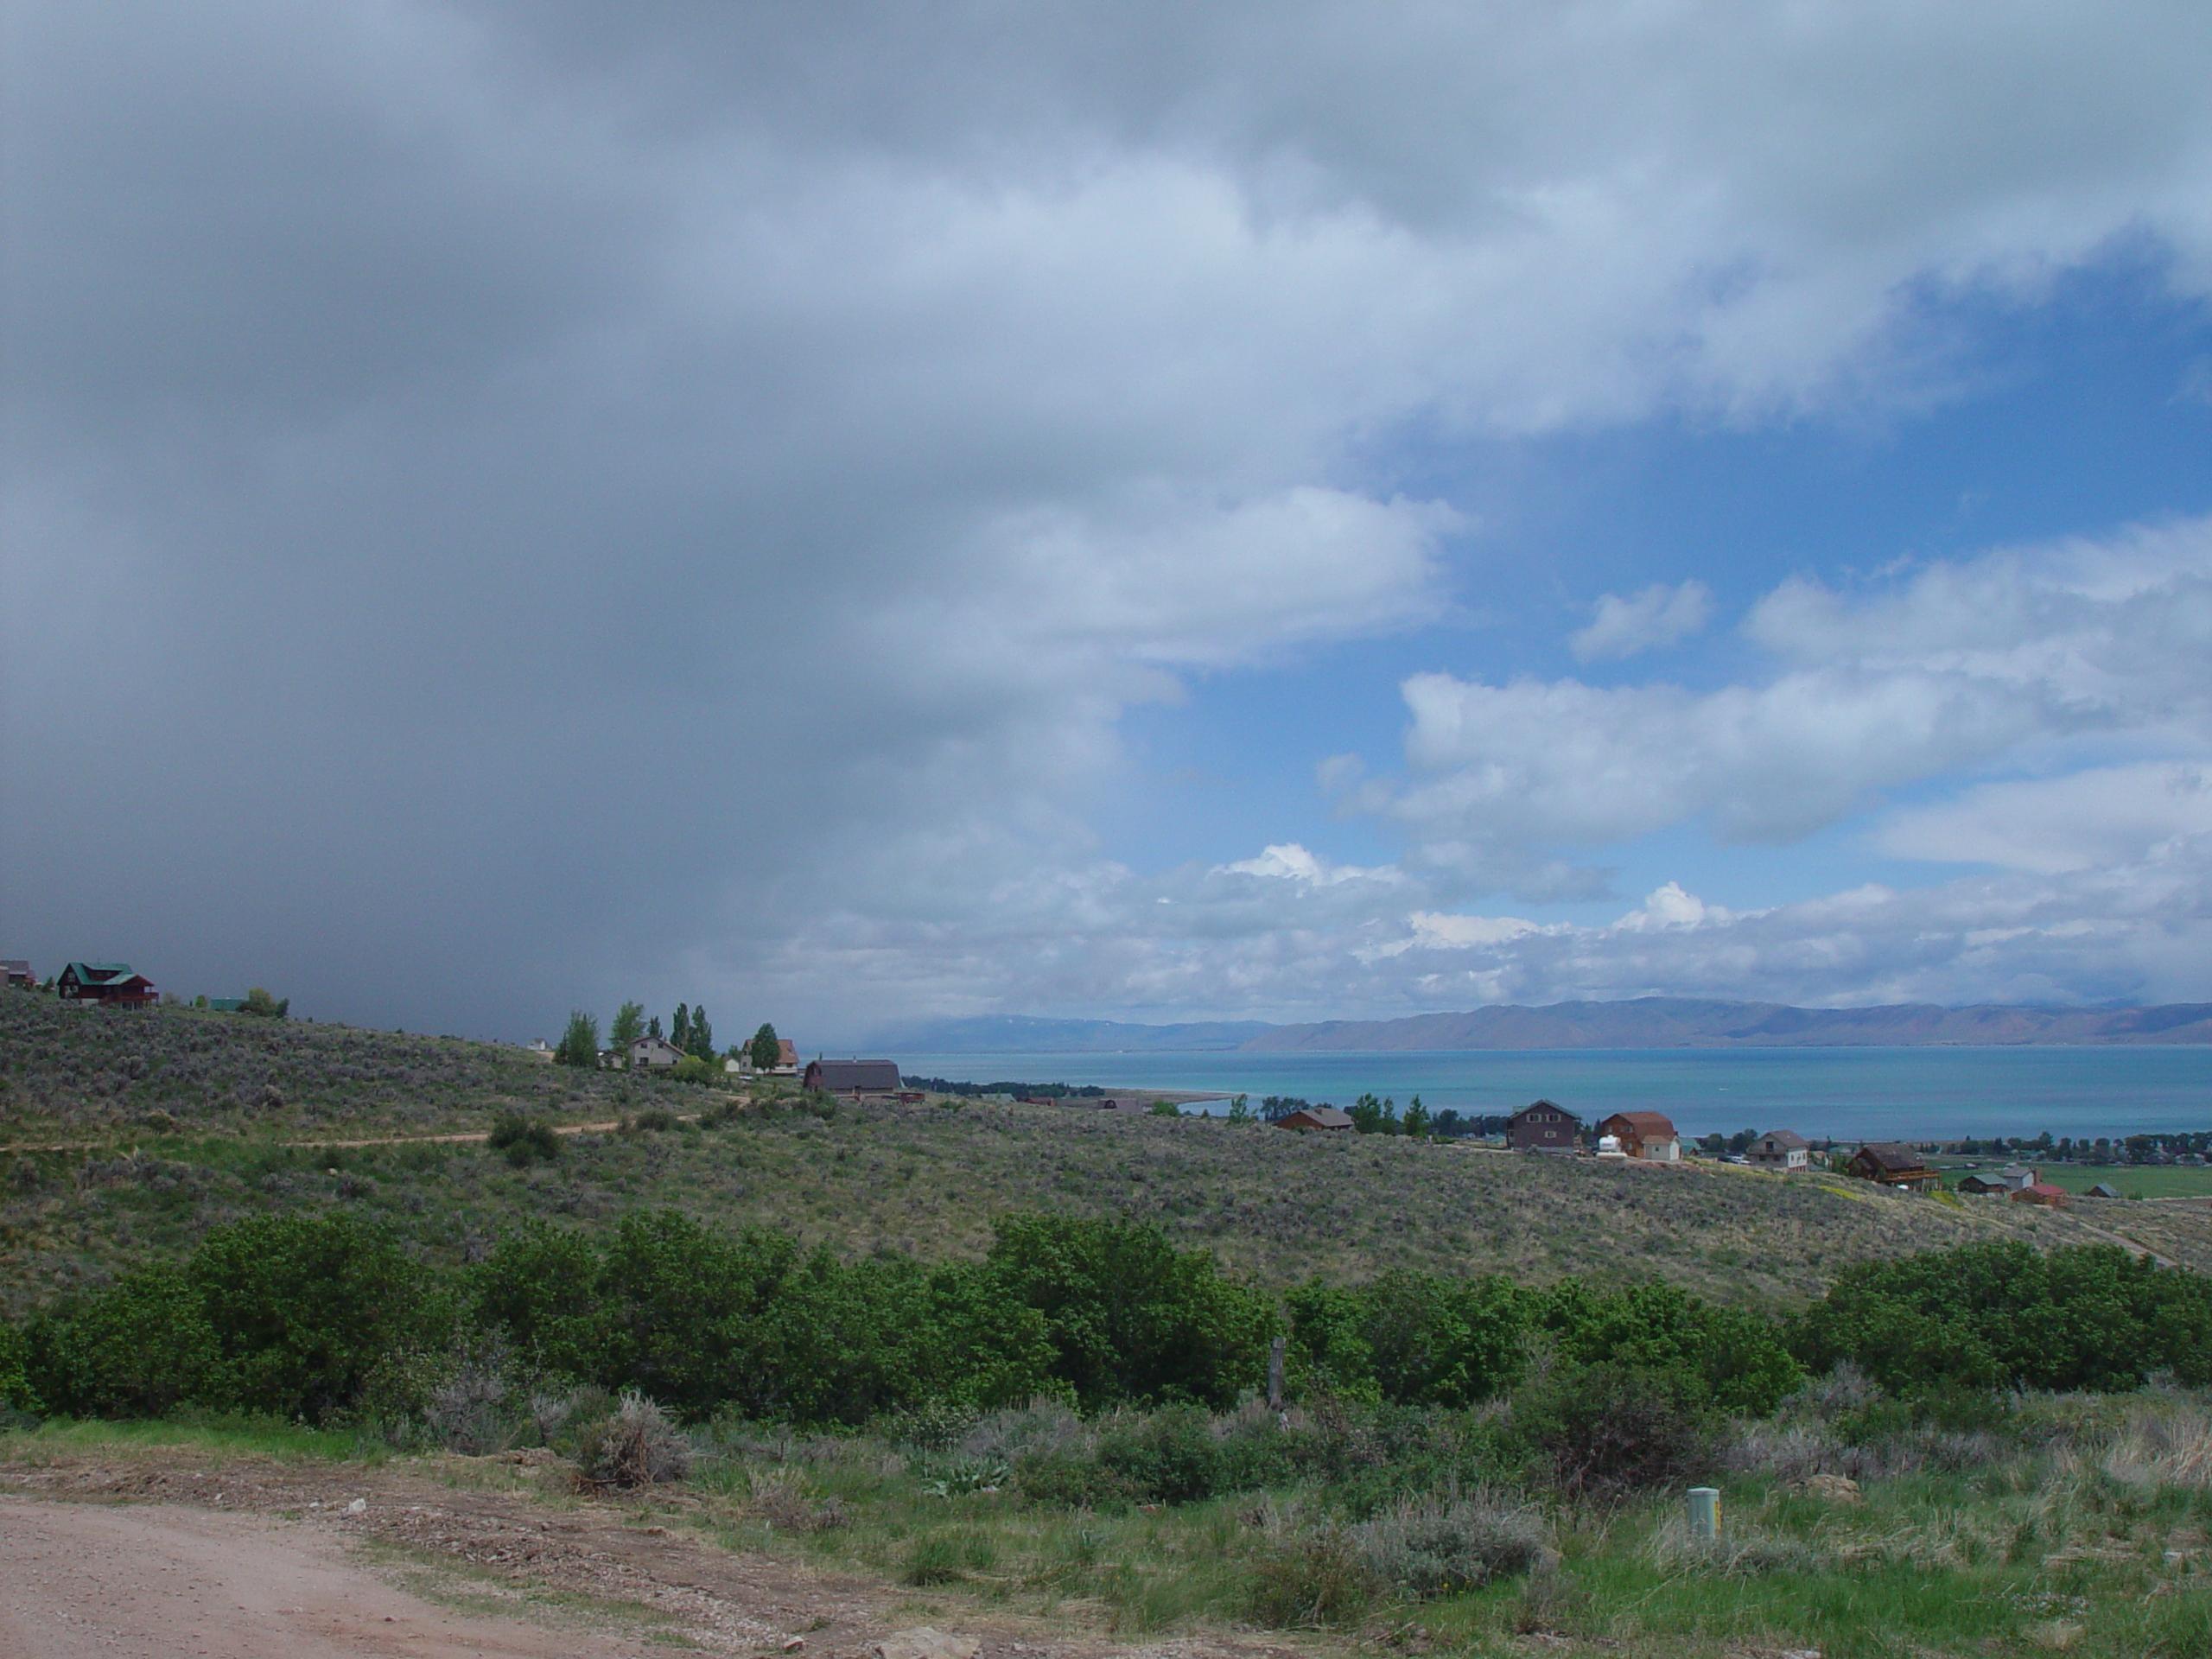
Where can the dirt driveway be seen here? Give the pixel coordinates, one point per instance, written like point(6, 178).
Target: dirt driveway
point(165, 1553)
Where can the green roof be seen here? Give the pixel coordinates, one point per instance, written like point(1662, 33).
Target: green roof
point(102, 969)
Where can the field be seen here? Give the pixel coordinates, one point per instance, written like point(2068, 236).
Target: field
point(1875, 1507)
point(129, 1136)
point(2131, 1181)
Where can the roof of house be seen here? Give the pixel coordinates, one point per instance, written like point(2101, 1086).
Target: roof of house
point(14, 965)
point(98, 969)
point(842, 1076)
point(2104, 1190)
point(2042, 1190)
point(2016, 1170)
point(1647, 1125)
point(1322, 1117)
point(1891, 1156)
point(648, 1039)
point(1787, 1139)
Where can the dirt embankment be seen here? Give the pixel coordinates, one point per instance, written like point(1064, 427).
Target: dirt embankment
point(163, 1554)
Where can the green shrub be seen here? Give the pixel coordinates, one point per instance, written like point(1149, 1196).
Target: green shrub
point(1987, 1316)
point(524, 1141)
point(15, 1391)
point(304, 1309)
point(1411, 1338)
point(540, 1291)
point(1129, 1317)
point(1605, 1430)
point(1164, 1457)
point(139, 1348)
point(1736, 1361)
point(1069, 1480)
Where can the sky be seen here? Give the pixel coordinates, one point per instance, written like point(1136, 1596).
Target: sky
point(859, 514)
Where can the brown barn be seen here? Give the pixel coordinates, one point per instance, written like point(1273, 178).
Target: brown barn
point(2041, 1193)
point(1981, 1184)
point(109, 983)
point(1541, 1126)
point(1645, 1135)
point(1892, 1164)
point(1317, 1117)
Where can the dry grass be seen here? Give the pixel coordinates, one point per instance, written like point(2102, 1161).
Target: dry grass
point(929, 1179)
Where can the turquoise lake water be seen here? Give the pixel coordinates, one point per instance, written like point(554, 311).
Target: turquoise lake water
point(1846, 1093)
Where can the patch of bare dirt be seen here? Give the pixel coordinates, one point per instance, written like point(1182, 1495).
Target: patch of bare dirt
point(107, 1552)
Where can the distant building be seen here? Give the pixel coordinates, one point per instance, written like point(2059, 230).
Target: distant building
point(1133, 1108)
point(1891, 1164)
point(18, 974)
point(1542, 1127)
point(1978, 1184)
point(2104, 1190)
point(653, 1054)
point(109, 983)
point(1316, 1117)
point(2017, 1176)
point(235, 1005)
point(1779, 1149)
point(540, 1049)
point(851, 1078)
point(1649, 1135)
point(787, 1064)
point(2041, 1193)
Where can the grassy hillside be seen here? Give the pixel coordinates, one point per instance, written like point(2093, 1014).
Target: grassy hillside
point(157, 1126)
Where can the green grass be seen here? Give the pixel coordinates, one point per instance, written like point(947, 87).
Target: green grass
point(216, 1438)
point(2133, 1180)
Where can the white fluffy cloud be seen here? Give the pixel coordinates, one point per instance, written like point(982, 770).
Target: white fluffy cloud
point(669, 496)
point(2044, 652)
point(1657, 617)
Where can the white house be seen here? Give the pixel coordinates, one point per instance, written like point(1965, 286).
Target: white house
point(653, 1053)
point(1778, 1149)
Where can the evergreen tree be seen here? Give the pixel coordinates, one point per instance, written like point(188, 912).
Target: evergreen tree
point(702, 1034)
point(629, 1025)
point(767, 1049)
point(679, 1031)
point(580, 1042)
point(1416, 1119)
point(653, 1027)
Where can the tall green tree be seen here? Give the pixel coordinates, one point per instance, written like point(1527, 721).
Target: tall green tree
point(679, 1029)
point(1416, 1121)
point(579, 1044)
point(767, 1049)
point(629, 1025)
point(702, 1034)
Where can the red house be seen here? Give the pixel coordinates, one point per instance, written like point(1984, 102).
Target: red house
point(109, 983)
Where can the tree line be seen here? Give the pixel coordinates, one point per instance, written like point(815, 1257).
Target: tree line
point(301, 1317)
point(689, 1030)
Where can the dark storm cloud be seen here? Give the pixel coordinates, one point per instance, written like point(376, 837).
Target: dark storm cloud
point(510, 505)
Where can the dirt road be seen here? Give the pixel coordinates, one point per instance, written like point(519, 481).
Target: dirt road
point(80, 1581)
point(162, 1552)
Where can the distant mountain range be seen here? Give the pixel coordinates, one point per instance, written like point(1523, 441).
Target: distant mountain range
point(1645, 1022)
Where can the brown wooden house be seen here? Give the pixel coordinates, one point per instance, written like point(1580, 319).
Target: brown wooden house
point(1541, 1126)
point(2041, 1193)
point(851, 1078)
point(108, 983)
point(1317, 1117)
point(1649, 1135)
point(1893, 1165)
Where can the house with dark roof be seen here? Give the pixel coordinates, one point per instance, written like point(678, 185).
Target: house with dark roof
point(108, 983)
point(2041, 1193)
point(18, 974)
point(1779, 1149)
point(1649, 1135)
point(851, 1078)
point(1543, 1126)
point(1316, 1117)
point(1978, 1184)
point(1892, 1164)
point(2103, 1189)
